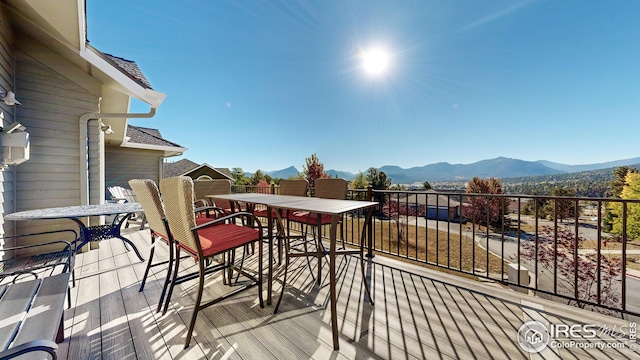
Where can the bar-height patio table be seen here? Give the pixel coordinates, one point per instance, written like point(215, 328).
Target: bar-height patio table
point(334, 208)
point(122, 212)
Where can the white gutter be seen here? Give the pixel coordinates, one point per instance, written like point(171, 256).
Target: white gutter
point(168, 150)
point(84, 151)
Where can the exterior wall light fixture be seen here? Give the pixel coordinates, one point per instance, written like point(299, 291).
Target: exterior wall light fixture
point(9, 98)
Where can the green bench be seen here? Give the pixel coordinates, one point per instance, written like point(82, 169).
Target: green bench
point(31, 317)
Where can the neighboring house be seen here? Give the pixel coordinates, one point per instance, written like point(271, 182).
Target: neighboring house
point(427, 203)
point(140, 155)
point(186, 167)
point(71, 95)
point(517, 205)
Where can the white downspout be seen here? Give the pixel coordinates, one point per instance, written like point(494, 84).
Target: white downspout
point(84, 146)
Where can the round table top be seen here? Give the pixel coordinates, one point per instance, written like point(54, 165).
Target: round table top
point(76, 211)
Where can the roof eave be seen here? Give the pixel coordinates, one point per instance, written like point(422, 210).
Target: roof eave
point(169, 151)
point(121, 81)
point(210, 167)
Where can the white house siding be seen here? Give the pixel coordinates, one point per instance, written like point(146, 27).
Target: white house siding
point(6, 83)
point(124, 164)
point(52, 104)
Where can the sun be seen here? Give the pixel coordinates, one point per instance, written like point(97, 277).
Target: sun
point(376, 61)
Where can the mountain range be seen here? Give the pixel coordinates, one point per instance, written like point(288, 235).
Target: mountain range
point(500, 167)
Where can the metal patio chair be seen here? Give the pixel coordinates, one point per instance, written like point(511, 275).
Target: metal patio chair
point(292, 187)
point(326, 189)
point(148, 195)
point(204, 241)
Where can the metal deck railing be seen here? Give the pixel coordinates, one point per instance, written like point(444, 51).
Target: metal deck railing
point(566, 248)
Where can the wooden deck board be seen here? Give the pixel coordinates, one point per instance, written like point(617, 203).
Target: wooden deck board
point(145, 334)
point(115, 331)
point(418, 314)
point(86, 342)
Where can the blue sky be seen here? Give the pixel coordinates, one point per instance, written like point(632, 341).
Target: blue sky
point(265, 84)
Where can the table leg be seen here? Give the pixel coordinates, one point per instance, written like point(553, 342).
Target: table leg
point(116, 233)
point(111, 231)
point(320, 249)
point(332, 280)
point(270, 252)
point(83, 235)
point(366, 230)
point(369, 226)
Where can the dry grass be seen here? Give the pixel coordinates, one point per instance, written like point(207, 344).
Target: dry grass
point(425, 245)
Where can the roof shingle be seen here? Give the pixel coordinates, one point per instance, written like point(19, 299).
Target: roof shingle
point(185, 166)
point(179, 167)
point(129, 68)
point(147, 136)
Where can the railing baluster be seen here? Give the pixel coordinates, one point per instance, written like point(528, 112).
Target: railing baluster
point(599, 254)
point(537, 244)
point(519, 239)
point(555, 246)
point(576, 245)
point(473, 238)
point(624, 256)
point(448, 233)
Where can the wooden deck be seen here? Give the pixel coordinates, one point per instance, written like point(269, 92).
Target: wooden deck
point(418, 314)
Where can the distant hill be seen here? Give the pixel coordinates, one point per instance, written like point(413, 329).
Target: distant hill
point(341, 174)
point(289, 172)
point(587, 167)
point(590, 183)
point(500, 167)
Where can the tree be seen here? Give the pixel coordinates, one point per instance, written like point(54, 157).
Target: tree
point(576, 273)
point(619, 180)
point(314, 170)
point(615, 190)
point(397, 218)
point(240, 177)
point(256, 177)
point(486, 210)
point(533, 204)
point(263, 187)
point(630, 191)
point(359, 183)
point(378, 179)
point(426, 185)
point(562, 209)
point(299, 176)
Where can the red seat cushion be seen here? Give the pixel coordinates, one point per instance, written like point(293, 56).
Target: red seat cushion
point(199, 221)
point(223, 237)
point(263, 213)
point(212, 215)
point(202, 220)
point(303, 217)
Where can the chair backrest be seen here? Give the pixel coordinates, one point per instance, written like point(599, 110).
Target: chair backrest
point(148, 195)
point(177, 195)
point(331, 188)
point(294, 187)
point(119, 192)
point(202, 188)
